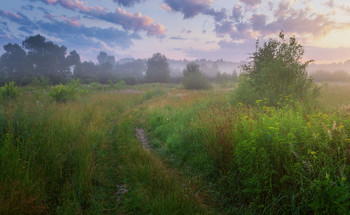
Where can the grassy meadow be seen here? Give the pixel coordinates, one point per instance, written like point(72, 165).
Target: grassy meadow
point(80, 155)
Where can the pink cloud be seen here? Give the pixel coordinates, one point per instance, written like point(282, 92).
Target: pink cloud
point(129, 21)
point(73, 21)
point(165, 7)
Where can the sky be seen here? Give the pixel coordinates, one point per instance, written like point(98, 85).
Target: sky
point(180, 29)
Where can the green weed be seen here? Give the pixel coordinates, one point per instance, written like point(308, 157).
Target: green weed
point(9, 91)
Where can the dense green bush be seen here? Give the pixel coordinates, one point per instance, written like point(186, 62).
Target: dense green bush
point(194, 79)
point(276, 71)
point(9, 90)
point(63, 93)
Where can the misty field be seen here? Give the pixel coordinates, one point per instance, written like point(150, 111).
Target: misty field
point(208, 155)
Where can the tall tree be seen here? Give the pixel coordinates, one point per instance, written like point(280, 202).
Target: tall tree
point(87, 72)
point(194, 78)
point(73, 58)
point(48, 58)
point(110, 59)
point(102, 57)
point(157, 69)
point(14, 64)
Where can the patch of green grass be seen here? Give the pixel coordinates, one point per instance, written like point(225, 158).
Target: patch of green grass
point(72, 158)
point(79, 157)
point(259, 159)
point(51, 153)
point(153, 188)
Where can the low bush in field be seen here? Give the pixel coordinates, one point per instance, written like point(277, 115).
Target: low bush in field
point(63, 93)
point(263, 159)
point(119, 85)
point(196, 82)
point(9, 90)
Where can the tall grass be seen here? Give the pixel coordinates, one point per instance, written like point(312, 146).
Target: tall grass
point(73, 157)
point(260, 160)
point(335, 97)
point(153, 188)
point(49, 153)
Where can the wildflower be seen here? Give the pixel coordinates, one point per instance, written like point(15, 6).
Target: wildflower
point(327, 176)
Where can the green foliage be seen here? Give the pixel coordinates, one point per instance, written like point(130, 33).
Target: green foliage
point(194, 79)
point(153, 93)
point(120, 84)
point(63, 93)
point(153, 187)
point(245, 93)
point(265, 160)
point(41, 82)
point(95, 86)
point(225, 78)
point(56, 160)
point(9, 90)
point(277, 70)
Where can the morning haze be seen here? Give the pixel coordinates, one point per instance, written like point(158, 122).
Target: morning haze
point(174, 107)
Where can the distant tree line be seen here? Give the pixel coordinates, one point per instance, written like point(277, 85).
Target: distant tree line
point(325, 76)
point(37, 59)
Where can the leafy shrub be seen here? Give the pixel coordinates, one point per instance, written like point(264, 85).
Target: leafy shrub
point(95, 86)
point(194, 79)
point(120, 84)
point(245, 93)
point(9, 90)
point(63, 93)
point(277, 70)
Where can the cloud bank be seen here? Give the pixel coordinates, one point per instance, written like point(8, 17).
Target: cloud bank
point(128, 21)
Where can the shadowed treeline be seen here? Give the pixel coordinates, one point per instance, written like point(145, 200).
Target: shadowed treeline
point(38, 60)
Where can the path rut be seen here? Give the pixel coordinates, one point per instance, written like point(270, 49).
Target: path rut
point(141, 136)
